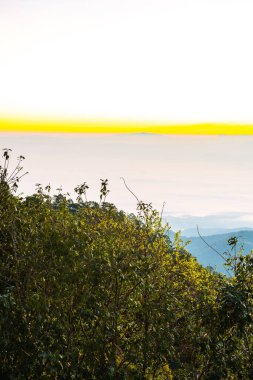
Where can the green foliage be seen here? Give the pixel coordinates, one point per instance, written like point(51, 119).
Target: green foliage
point(89, 292)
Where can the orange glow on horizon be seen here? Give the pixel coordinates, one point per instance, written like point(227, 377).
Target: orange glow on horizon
point(68, 126)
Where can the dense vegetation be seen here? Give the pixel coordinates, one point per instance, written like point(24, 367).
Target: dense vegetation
point(89, 292)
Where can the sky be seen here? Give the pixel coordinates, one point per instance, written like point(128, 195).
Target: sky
point(136, 61)
point(194, 175)
point(148, 60)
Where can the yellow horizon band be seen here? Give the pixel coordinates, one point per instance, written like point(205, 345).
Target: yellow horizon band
point(54, 126)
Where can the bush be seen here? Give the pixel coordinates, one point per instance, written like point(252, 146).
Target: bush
point(89, 292)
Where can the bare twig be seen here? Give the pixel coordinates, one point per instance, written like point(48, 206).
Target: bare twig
point(129, 189)
point(212, 248)
point(164, 203)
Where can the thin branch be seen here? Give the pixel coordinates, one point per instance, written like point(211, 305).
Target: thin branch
point(129, 189)
point(201, 237)
point(161, 215)
point(16, 169)
point(212, 248)
point(22, 175)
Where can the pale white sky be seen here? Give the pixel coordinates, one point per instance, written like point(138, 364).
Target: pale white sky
point(194, 175)
point(166, 60)
point(154, 60)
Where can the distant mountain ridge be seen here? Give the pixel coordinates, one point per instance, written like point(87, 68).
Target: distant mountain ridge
point(192, 232)
point(206, 256)
point(212, 224)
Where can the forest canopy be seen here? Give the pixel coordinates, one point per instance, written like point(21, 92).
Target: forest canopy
point(88, 291)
